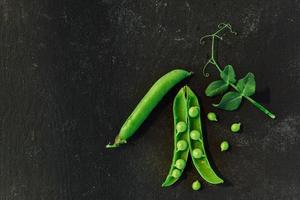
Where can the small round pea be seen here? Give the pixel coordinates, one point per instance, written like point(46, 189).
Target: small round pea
point(195, 135)
point(181, 127)
point(197, 153)
point(176, 173)
point(224, 146)
point(211, 116)
point(235, 127)
point(196, 185)
point(194, 111)
point(181, 145)
point(180, 164)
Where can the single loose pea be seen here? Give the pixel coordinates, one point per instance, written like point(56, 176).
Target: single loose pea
point(181, 145)
point(181, 127)
point(194, 111)
point(180, 164)
point(197, 153)
point(212, 116)
point(196, 185)
point(176, 173)
point(235, 127)
point(224, 146)
point(195, 135)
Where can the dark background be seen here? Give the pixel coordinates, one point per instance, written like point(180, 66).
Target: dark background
point(72, 71)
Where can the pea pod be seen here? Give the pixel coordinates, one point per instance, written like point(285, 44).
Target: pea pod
point(186, 110)
point(180, 156)
point(147, 104)
point(196, 144)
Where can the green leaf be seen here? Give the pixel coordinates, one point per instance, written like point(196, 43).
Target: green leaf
point(215, 88)
point(228, 74)
point(230, 101)
point(246, 86)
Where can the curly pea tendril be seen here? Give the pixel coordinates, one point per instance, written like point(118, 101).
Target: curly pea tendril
point(222, 27)
point(212, 60)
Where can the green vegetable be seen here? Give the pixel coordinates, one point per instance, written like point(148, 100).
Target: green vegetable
point(176, 173)
point(195, 135)
point(196, 185)
point(181, 127)
point(180, 164)
point(183, 102)
point(230, 101)
point(235, 127)
point(202, 165)
point(181, 145)
point(193, 112)
point(197, 153)
point(212, 116)
point(179, 157)
point(215, 88)
point(148, 103)
point(244, 88)
point(224, 146)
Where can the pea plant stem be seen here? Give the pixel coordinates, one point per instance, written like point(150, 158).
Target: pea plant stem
point(212, 60)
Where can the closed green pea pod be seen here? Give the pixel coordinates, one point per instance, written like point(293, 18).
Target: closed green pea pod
point(148, 103)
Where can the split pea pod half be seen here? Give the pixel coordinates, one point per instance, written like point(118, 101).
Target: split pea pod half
point(181, 150)
point(147, 104)
point(196, 143)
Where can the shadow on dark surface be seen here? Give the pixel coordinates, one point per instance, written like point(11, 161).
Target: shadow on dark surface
point(263, 96)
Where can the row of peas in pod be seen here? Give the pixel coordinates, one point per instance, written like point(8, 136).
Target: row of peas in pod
point(188, 139)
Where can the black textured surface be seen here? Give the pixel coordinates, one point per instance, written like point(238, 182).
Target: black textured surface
point(72, 71)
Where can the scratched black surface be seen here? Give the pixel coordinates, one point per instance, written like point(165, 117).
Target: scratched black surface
point(72, 71)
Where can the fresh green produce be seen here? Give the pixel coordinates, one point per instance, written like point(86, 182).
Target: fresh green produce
point(235, 127)
point(224, 146)
point(179, 157)
point(193, 112)
point(243, 88)
point(196, 185)
point(180, 164)
point(147, 104)
point(181, 145)
point(211, 116)
point(199, 158)
point(176, 173)
point(195, 135)
point(184, 102)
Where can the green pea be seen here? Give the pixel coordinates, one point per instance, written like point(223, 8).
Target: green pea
point(154, 95)
point(224, 146)
point(181, 127)
point(212, 116)
point(235, 127)
point(197, 153)
point(194, 111)
point(176, 173)
point(181, 145)
point(196, 185)
point(180, 164)
point(195, 135)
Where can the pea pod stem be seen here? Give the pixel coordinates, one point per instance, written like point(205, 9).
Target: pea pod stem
point(212, 60)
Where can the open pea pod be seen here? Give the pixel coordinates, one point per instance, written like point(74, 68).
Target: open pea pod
point(181, 150)
point(195, 140)
point(188, 137)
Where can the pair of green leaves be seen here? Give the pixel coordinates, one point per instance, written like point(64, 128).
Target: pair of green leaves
point(232, 99)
